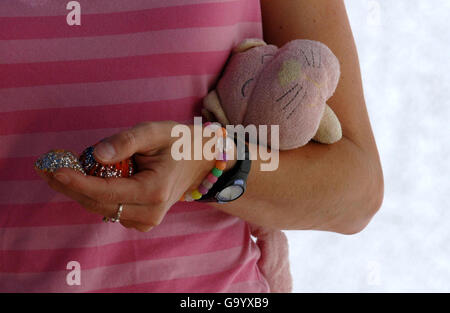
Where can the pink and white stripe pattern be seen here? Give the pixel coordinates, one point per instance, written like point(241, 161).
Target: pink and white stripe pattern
point(67, 87)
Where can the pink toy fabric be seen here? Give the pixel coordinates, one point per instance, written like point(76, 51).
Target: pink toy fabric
point(288, 86)
point(264, 85)
point(274, 260)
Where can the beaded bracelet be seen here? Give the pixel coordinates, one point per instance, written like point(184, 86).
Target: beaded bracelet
point(213, 176)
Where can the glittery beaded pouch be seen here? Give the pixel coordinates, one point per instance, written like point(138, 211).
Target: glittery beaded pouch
point(85, 164)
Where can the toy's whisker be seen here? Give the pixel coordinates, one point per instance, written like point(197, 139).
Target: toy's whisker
point(292, 112)
point(306, 58)
point(289, 91)
point(298, 91)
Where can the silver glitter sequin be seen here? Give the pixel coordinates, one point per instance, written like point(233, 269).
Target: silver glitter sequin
point(56, 159)
point(86, 164)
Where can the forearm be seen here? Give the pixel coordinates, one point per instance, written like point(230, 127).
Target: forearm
point(323, 187)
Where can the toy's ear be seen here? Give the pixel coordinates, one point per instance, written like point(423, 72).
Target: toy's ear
point(330, 130)
point(247, 44)
point(212, 109)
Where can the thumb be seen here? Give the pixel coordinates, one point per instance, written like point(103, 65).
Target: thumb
point(141, 138)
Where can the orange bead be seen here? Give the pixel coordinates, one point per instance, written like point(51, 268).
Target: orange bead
point(221, 165)
point(224, 132)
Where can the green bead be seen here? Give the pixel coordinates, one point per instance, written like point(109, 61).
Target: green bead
point(216, 172)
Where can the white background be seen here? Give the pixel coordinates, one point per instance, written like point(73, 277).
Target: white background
point(404, 51)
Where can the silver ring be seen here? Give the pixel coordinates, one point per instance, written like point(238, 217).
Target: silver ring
point(114, 219)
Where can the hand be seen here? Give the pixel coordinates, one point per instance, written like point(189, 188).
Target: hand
point(160, 180)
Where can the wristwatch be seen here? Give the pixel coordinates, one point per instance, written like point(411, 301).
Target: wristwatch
point(232, 184)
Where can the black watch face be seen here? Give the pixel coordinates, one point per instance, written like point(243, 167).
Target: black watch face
point(230, 193)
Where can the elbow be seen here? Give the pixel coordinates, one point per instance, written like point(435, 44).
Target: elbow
point(366, 212)
point(370, 203)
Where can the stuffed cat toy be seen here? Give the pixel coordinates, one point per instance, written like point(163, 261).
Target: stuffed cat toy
point(288, 86)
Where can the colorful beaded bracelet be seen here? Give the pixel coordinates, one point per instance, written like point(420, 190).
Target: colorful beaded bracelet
point(213, 176)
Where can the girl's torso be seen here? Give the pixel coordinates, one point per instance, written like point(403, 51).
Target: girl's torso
point(67, 87)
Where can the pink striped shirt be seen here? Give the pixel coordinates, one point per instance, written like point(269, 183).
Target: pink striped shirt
point(67, 87)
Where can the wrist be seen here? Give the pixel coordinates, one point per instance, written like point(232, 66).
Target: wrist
point(218, 155)
point(232, 184)
point(209, 164)
point(232, 157)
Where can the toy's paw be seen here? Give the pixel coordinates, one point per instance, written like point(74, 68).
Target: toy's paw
point(247, 44)
point(330, 130)
point(212, 109)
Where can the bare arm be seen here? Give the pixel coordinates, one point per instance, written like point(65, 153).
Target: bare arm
point(335, 187)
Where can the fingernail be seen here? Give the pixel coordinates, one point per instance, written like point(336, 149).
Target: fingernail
point(63, 179)
point(105, 151)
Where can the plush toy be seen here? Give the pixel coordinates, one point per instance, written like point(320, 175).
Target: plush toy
point(264, 85)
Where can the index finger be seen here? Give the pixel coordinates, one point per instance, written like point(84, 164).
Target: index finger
point(108, 190)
